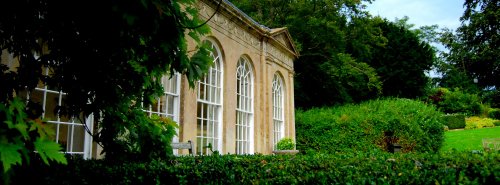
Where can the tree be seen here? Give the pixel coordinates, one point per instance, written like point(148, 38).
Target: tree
point(474, 49)
point(106, 56)
point(403, 61)
point(326, 74)
point(346, 54)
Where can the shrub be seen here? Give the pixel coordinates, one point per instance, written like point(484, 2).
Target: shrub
point(496, 123)
point(494, 114)
point(352, 168)
point(364, 127)
point(454, 121)
point(436, 95)
point(485, 109)
point(477, 122)
point(460, 102)
point(492, 97)
point(285, 144)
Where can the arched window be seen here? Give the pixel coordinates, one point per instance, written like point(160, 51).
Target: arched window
point(209, 107)
point(167, 105)
point(278, 111)
point(244, 107)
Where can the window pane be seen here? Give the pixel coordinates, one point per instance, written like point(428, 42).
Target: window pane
point(209, 106)
point(244, 112)
point(278, 119)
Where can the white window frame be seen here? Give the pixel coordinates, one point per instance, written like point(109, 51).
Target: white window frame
point(171, 88)
point(88, 122)
point(278, 110)
point(171, 91)
point(209, 106)
point(244, 108)
point(71, 123)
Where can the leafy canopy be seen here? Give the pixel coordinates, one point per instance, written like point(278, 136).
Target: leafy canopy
point(474, 49)
point(346, 54)
point(107, 56)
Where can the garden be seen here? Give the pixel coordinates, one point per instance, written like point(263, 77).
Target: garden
point(350, 128)
point(347, 144)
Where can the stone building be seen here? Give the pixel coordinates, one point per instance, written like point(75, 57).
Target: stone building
point(244, 105)
point(252, 81)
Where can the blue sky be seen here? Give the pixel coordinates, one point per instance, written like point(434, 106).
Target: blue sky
point(445, 13)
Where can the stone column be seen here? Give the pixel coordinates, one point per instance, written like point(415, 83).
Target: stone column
point(291, 106)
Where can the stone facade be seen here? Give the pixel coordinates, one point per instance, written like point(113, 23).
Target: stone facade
point(244, 105)
point(270, 52)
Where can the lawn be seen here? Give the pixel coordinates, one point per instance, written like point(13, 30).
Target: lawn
point(468, 139)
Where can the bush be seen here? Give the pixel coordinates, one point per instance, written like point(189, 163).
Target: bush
point(285, 144)
point(370, 125)
point(353, 168)
point(454, 121)
point(477, 122)
point(492, 98)
point(496, 123)
point(494, 114)
point(460, 102)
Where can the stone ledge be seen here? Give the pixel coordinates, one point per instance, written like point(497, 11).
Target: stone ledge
point(284, 152)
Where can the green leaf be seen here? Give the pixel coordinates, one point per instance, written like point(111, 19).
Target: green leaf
point(22, 127)
point(49, 150)
point(9, 155)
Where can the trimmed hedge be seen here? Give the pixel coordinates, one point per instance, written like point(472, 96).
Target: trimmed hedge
point(454, 121)
point(370, 125)
point(360, 168)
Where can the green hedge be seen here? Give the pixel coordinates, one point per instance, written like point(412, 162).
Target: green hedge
point(454, 121)
point(367, 126)
point(360, 168)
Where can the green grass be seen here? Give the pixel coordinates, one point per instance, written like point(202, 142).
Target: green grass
point(463, 140)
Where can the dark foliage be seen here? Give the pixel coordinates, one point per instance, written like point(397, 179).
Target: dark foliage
point(107, 57)
point(356, 168)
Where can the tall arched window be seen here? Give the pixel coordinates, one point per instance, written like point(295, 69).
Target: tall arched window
point(167, 105)
point(244, 107)
point(209, 107)
point(278, 111)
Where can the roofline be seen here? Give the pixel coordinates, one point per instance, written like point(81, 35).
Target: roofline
point(263, 30)
point(267, 29)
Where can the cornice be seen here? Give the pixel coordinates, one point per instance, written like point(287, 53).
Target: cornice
point(261, 31)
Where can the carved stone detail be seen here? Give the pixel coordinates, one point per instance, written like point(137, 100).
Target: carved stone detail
point(280, 56)
point(228, 25)
point(233, 29)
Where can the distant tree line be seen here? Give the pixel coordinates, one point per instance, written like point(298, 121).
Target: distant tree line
point(349, 56)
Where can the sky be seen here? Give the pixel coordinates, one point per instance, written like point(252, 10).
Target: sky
point(444, 13)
